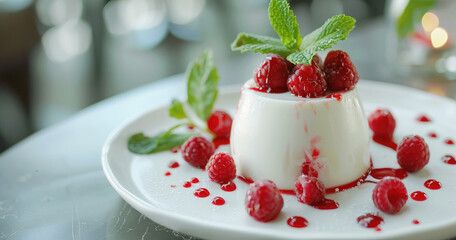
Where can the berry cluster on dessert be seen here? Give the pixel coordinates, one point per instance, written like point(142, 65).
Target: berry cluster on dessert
point(278, 75)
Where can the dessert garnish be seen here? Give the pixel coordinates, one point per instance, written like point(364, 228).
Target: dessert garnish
point(390, 195)
point(197, 112)
point(221, 168)
point(197, 150)
point(413, 153)
point(309, 190)
point(263, 201)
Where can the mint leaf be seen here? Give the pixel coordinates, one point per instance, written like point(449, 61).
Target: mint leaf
point(177, 110)
point(251, 42)
point(412, 13)
point(202, 80)
point(332, 31)
point(285, 24)
point(141, 144)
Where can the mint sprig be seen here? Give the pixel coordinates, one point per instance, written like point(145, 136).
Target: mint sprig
point(332, 31)
point(291, 46)
point(285, 24)
point(202, 81)
point(257, 43)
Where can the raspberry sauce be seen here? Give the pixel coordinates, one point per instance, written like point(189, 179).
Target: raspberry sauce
point(167, 173)
point(385, 142)
point(423, 118)
point(268, 90)
point(297, 222)
point(287, 192)
point(201, 193)
point(175, 149)
point(418, 196)
point(432, 135)
point(245, 179)
point(415, 222)
point(218, 201)
point(173, 164)
point(448, 159)
point(449, 141)
point(187, 184)
point(380, 173)
point(228, 187)
point(218, 141)
point(432, 184)
point(369, 220)
point(336, 96)
point(194, 180)
point(326, 204)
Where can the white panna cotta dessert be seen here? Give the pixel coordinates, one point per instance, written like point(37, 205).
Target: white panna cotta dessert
point(279, 136)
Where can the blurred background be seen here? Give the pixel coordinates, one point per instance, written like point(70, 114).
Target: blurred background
point(60, 56)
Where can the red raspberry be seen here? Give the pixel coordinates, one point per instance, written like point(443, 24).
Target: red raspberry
point(221, 168)
point(307, 81)
point(341, 73)
point(309, 190)
point(272, 75)
point(390, 195)
point(220, 123)
point(263, 201)
point(382, 123)
point(197, 150)
point(413, 153)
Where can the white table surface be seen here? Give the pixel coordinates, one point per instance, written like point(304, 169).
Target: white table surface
point(52, 185)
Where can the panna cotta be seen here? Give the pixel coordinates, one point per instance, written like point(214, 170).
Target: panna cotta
point(281, 136)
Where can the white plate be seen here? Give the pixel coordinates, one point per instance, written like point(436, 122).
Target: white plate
point(140, 180)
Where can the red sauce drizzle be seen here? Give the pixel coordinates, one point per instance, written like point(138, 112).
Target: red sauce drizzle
point(433, 184)
point(194, 180)
point(173, 164)
point(326, 204)
point(245, 179)
point(385, 142)
point(218, 201)
point(201, 192)
point(187, 184)
point(297, 222)
point(173, 186)
point(449, 159)
point(167, 173)
point(369, 220)
point(228, 187)
point(350, 184)
point(449, 142)
point(175, 150)
point(287, 192)
point(191, 127)
point(380, 173)
point(423, 118)
point(218, 141)
point(418, 196)
point(336, 96)
point(432, 135)
point(269, 90)
point(415, 222)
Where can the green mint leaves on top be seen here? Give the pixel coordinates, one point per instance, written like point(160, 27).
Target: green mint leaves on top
point(290, 45)
point(334, 29)
point(202, 81)
point(285, 24)
point(257, 43)
point(412, 13)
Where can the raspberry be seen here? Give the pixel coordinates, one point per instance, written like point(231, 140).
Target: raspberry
point(307, 81)
point(390, 195)
point(220, 123)
point(197, 150)
point(263, 201)
point(341, 73)
point(309, 190)
point(221, 168)
point(272, 75)
point(413, 153)
point(382, 123)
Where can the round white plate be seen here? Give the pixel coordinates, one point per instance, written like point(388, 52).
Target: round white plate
point(141, 180)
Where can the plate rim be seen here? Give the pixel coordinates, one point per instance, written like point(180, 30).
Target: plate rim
point(160, 214)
